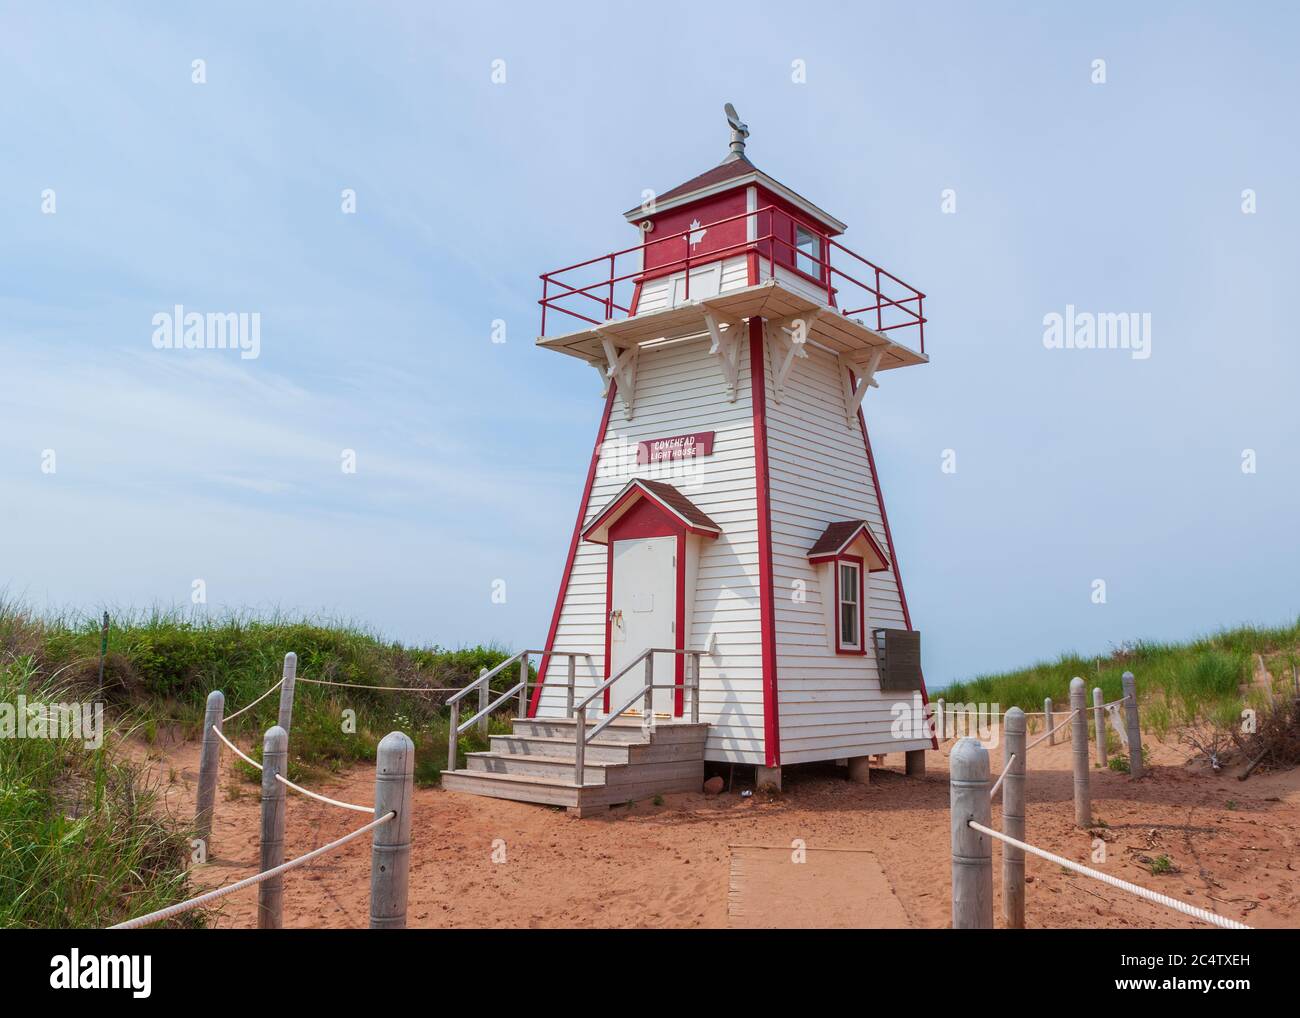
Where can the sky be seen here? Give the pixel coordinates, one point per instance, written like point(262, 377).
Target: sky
point(979, 152)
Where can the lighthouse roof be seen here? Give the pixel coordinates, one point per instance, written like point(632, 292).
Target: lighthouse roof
point(734, 171)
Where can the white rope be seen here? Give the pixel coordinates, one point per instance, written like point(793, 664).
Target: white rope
point(1160, 899)
point(285, 781)
point(235, 749)
point(998, 784)
point(322, 798)
point(250, 706)
point(1052, 731)
point(257, 878)
point(391, 689)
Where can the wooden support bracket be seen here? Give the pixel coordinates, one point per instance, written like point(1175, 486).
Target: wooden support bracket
point(726, 344)
point(853, 395)
point(788, 339)
point(622, 369)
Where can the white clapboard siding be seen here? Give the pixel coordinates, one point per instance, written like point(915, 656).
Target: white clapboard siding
point(831, 705)
point(706, 281)
point(791, 280)
point(680, 390)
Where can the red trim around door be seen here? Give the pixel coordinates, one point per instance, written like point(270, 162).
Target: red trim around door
point(679, 625)
point(573, 549)
point(889, 537)
point(766, 595)
point(669, 527)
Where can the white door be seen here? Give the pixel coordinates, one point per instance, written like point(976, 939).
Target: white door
point(643, 613)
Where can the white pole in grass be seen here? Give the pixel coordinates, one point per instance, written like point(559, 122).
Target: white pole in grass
point(972, 851)
point(943, 726)
point(209, 765)
point(270, 893)
point(1047, 719)
point(288, 676)
point(1013, 821)
point(390, 853)
point(1079, 746)
point(1134, 729)
point(1099, 725)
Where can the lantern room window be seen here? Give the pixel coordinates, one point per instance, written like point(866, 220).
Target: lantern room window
point(808, 252)
point(849, 595)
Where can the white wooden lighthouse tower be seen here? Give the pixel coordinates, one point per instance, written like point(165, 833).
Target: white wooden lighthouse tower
point(731, 560)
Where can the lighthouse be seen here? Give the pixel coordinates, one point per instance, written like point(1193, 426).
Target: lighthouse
point(731, 591)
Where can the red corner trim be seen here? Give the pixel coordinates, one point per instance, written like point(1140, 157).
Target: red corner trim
point(766, 595)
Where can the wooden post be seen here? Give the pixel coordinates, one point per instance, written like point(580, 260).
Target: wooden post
point(573, 682)
point(972, 850)
point(1134, 729)
point(694, 660)
point(1099, 724)
point(579, 746)
point(483, 701)
point(453, 722)
point(270, 893)
point(1013, 821)
point(1079, 746)
point(209, 766)
point(650, 684)
point(289, 674)
point(523, 690)
point(390, 853)
point(1047, 720)
point(943, 724)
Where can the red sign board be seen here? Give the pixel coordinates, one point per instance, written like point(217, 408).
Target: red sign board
point(678, 447)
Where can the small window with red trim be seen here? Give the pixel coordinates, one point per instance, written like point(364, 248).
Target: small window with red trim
point(849, 591)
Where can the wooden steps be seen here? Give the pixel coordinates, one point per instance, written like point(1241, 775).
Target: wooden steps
point(625, 762)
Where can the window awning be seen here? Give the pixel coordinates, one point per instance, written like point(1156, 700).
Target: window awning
point(671, 502)
point(849, 537)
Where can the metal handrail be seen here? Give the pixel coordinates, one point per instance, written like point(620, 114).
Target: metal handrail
point(765, 245)
point(484, 712)
point(482, 684)
point(484, 676)
point(580, 734)
point(612, 679)
point(484, 707)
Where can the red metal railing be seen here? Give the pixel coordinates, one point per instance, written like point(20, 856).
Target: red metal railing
point(605, 288)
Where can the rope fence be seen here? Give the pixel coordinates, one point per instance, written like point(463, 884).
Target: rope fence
point(391, 826)
point(1051, 731)
point(171, 911)
point(1011, 758)
point(1206, 916)
point(971, 807)
point(250, 706)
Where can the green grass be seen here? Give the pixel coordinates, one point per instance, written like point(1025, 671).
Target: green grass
point(82, 841)
point(1177, 683)
point(162, 665)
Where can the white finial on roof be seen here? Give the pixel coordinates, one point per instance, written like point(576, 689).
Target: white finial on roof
point(739, 132)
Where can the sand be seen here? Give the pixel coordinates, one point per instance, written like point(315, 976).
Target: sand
point(479, 862)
